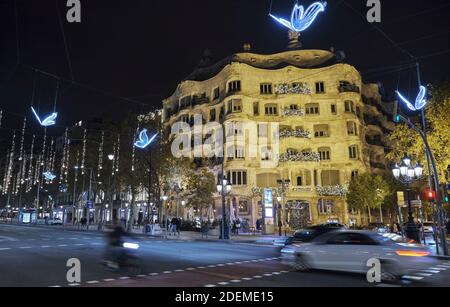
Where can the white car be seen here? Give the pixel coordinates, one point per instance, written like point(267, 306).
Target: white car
point(350, 251)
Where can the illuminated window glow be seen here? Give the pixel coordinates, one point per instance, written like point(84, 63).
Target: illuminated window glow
point(48, 121)
point(421, 102)
point(301, 19)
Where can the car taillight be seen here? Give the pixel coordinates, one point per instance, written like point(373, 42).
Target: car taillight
point(405, 253)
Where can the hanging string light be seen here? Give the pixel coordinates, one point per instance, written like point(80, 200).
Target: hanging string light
point(66, 172)
point(118, 153)
point(83, 156)
point(113, 171)
point(5, 175)
point(133, 154)
point(30, 170)
point(11, 162)
point(63, 159)
point(100, 155)
point(1, 116)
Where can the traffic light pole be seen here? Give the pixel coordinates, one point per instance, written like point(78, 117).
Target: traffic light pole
point(441, 215)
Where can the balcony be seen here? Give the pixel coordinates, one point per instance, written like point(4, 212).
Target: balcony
point(300, 157)
point(292, 113)
point(298, 133)
point(349, 88)
point(200, 99)
point(332, 190)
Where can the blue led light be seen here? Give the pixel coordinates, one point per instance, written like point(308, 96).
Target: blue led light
point(49, 176)
point(421, 102)
point(48, 121)
point(301, 19)
point(144, 141)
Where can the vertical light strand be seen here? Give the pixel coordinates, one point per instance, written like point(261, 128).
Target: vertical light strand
point(113, 171)
point(83, 156)
point(100, 155)
point(118, 153)
point(5, 174)
point(1, 117)
point(66, 173)
point(133, 152)
point(11, 161)
point(76, 166)
point(23, 138)
point(63, 159)
point(30, 169)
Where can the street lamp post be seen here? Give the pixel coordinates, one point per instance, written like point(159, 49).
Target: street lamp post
point(224, 188)
point(407, 174)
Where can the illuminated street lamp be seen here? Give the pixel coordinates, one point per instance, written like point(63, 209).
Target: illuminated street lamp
point(224, 188)
point(407, 174)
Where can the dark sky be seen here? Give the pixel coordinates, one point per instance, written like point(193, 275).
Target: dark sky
point(142, 48)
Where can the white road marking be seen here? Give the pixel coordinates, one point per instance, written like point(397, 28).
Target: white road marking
point(210, 286)
point(412, 277)
point(235, 281)
point(212, 266)
point(431, 271)
point(247, 278)
point(387, 286)
point(424, 274)
point(124, 278)
point(223, 283)
point(25, 247)
point(257, 277)
point(438, 269)
point(55, 287)
point(5, 249)
point(153, 274)
point(93, 282)
point(141, 276)
point(74, 285)
point(190, 269)
point(200, 267)
point(167, 272)
point(109, 279)
point(62, 245)
point(179, 271)
point(268, 275)
point(45, 246)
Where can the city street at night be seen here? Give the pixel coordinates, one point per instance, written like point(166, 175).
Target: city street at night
point(37, 257)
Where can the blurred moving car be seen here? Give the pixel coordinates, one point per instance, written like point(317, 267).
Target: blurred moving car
point(56, 221)
point(378, 227)
point(349, 251)
point(307, 234)
point(428, 228)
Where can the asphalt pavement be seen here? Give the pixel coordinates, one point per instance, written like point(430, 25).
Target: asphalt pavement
point(37, 257)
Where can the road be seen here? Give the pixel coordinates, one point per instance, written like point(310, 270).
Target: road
point(37, 257)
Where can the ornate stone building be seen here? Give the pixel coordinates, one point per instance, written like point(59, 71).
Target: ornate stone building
point(331, 126)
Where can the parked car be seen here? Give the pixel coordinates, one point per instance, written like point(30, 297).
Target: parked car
point(378, 227)
point(349, 251)
point(307, 234)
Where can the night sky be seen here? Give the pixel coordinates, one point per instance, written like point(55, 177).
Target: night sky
point(141, 49)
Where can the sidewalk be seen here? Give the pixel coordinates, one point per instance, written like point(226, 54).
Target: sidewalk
point(184, 235)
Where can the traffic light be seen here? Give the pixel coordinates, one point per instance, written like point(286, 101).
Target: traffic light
point(431, 196)
point(395, 113)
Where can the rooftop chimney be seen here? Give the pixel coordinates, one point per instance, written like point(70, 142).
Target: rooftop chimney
point(247, 47)
point(294, 41)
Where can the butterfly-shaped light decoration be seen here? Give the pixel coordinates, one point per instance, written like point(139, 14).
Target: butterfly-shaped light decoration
point(421, 101)
point(49, 176)
point(48, 121)
point(144, 141)
point(301, 19)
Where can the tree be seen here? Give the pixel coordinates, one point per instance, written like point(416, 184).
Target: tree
point(406, 140)
point(201, 187)
point(367, 191)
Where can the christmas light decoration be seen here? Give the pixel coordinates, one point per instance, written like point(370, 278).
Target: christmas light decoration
point(301, 19)
point(100, 155)
point(298, 133)
point(332, 191)
point(289, 112)
point(49, 176)
point(83, 155)
point(421, 102)
point(297, 88)
point(48, 121)
point(144, 140)
point(302, 156)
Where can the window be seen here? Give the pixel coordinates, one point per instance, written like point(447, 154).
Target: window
point(256, 108)
point(312, 109)
point(325, 206)
point(352, 128)
point(235, 106)
point(349, 106)
point(243, 206)
point(216, 93)
point(303, 178)
point(237, 177)
point(321, 131)
point(271, 110)
point(266, 88)
point(212, 115)
point(333, 109)
point(320, 87)
point(293, 107)
point(353, 152)
point(299, 181)
point(325, 154)
point(235, 129)
point(266, 154)
point(184, 119)
point(330, 178)
point(355, 174)
point(263, 130)
point(185, 101)
point(234, 86)
point(239, 152)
